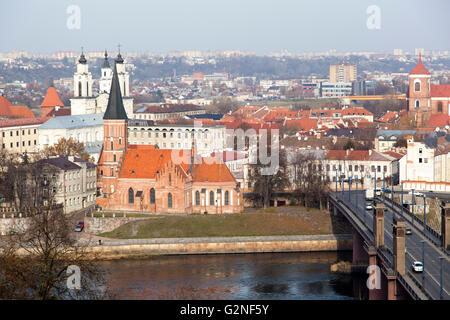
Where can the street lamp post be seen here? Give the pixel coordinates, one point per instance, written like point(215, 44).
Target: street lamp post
point(424, 212)
point(423, 259)
point(349, 190)
point(441, 279)
point(392, 182)
point(402, 197)
point(336, 180)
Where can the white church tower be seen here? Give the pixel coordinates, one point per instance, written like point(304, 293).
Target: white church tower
point(82, 79)
point(124, 77)
point(106, 77)
point(83, 100)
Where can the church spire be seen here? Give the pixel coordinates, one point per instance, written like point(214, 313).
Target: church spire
point(115, 109)
point(119, 58)
point(106, 62)
point(82, 59)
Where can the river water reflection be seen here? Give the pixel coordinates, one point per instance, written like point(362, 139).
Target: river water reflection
point(234, 276)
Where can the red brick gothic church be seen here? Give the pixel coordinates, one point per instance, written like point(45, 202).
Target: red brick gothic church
point(146, 178)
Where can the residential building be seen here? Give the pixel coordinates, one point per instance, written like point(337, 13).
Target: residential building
point(20, 136)
point(342, 73)
point(177, 136)
point(168, 111)
point(73, 182)
point(335, 89)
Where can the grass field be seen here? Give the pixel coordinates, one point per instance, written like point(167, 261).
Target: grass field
point(290, 221)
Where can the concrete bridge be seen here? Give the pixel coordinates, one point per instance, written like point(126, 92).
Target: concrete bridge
point(381, 244)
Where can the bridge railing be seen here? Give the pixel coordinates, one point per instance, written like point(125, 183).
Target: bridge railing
point(431, 234)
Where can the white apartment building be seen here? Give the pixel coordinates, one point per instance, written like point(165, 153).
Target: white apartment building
point(335, 89)
point(177, 136)
point(418, 163)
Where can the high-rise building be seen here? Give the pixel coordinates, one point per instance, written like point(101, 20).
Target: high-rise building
point(342, 73)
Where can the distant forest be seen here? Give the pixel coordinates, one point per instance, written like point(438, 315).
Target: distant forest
point(257, 66)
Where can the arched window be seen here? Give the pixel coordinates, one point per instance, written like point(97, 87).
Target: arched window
point(112, 145)
point(114, 158)
point(130, 196)
point(417, 103)
point(152, 196)
point(417, 86)
point(211, 198)
point(112, 172)
point(79, 88)
point(197, 198)
point(169, 198)
point(439, 107)
point(170, 179)
point(227, 198)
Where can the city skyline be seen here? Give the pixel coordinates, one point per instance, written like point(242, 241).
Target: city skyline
point(261, 27)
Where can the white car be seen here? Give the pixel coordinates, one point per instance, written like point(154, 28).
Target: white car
point(417, 266)
point(418, 194)
point(369, 206)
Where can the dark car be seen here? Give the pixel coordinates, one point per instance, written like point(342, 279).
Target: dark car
point(408, 231)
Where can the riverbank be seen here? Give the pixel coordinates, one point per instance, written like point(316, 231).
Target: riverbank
point(140, 248)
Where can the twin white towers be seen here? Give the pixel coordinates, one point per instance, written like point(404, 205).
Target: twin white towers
point(85, 102)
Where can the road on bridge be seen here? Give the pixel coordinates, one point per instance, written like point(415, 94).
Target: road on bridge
point(418, 247)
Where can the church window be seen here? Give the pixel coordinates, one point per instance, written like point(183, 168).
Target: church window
point(169, 198)
point(417, 86)
point(417, 103)
point(112, 172)
point(79, 89)
point(130, 196)
point(152, 196)
point(170, 179)
point(197, 198)
point(439, 107)
point(227, 198)
point(114, 158)
point(211, 198)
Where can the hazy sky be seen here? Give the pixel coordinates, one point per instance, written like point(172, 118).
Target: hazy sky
point(262, 26)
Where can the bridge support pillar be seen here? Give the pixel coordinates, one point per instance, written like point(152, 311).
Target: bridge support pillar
point(391, 287)
point(399, 245)
point(359, 257)
point(378, 225)
point(445, 225)
point(374, 278)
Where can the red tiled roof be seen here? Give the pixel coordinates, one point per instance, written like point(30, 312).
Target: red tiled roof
point(4, 106)
point(440, 90)
point(210, 170)
point(420, 68)
point(51, 99)
point(302, 124)
point(142, 162)
point(7, 109)
point(438, 120)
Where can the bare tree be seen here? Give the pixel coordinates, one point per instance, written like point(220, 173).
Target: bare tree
point(34, 262)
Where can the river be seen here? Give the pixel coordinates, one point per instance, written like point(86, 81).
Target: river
point(234, 276)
